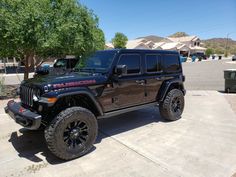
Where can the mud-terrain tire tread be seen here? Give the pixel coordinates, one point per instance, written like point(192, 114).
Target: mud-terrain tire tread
point(50, 131)
point(165, 106)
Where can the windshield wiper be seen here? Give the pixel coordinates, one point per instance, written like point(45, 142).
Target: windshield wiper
point(92, 70)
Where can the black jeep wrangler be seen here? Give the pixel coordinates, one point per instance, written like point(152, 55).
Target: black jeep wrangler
point(107, 83)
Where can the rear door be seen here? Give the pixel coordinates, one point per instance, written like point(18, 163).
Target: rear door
point(153, 76)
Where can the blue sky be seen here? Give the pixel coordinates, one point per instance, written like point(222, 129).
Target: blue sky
point(136, 18)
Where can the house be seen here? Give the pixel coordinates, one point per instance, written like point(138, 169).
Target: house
point(134, 44)
point(177, 46)
point(192, 44)
point(109, 46)
point(188, 40)
point(137, 44)
point(150, 44)
point(197, 49)
point(158, 45)
point(186, 45)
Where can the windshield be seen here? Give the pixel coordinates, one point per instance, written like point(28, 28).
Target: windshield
point(60, 63)
point(100, 61)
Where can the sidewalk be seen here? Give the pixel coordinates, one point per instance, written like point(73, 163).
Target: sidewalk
point(14, 79)
point(209, 59)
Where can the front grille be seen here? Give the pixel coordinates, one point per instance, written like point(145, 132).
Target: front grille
point(26, 95)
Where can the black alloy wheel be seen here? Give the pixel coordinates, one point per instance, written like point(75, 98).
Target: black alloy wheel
point(72, 133)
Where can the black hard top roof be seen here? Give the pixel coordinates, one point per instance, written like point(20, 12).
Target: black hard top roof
point(144, 50)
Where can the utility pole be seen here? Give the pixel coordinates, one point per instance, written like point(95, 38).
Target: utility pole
point(226, 45)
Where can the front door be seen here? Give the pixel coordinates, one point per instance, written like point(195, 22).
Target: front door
point(129, 89)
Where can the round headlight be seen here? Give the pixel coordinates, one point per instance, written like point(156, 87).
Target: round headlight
point(36, 95)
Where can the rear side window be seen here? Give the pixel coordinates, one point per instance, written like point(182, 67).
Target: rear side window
point(132, 61)
point(152, 63)
point(171, 63)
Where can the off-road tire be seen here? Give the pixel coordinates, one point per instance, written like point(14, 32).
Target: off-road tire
point(165, 106)
point(55, 132)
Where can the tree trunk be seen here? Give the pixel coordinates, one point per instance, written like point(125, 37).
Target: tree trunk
point(38, 61)
point(29, 58)
point(32, 62)
point(26, 73)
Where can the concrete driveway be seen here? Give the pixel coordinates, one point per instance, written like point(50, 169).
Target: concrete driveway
point(140, 143)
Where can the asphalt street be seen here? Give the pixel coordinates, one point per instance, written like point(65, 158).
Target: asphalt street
point(206, 75)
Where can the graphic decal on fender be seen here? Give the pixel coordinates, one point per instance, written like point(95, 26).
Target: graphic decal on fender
point(73, 84)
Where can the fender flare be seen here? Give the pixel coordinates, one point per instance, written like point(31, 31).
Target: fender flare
point(77, 92)
point(166, 86)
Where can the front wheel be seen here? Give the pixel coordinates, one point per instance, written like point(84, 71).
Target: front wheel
point(72, 133)
point(173, 105)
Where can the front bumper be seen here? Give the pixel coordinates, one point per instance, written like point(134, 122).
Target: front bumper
point(22, 116)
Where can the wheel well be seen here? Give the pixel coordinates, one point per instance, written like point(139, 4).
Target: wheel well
point(175, 86)
point(161, 96)
point(81, 100)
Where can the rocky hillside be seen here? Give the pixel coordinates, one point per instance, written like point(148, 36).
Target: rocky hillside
point(219, 45)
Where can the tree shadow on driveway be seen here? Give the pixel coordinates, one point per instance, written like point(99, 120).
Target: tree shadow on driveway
point(31, 143)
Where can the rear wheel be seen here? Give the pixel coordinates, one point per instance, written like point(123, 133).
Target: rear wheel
point(72, 133)
point(173, 105)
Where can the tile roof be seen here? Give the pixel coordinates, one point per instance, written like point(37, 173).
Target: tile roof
point(137, 43)
point(183, 39)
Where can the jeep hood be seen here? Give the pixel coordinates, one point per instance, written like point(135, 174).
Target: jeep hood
point(66, 80)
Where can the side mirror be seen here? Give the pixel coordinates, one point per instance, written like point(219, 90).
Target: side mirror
point(121, 70)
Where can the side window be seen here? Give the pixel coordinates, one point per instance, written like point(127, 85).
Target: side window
point(171, 63)
point(132, 61)
point(152, 63)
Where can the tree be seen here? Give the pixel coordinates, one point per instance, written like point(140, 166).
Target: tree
point(179, 34)
point(34, 30)
point(209, 51)
point(119, 41)
point(218, 51)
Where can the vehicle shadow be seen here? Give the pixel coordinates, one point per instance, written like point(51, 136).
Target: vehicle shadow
point(128, 121)
point(31, 144)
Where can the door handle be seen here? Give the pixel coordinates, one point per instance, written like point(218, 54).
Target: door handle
point(140, 82)
point(159, 78)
